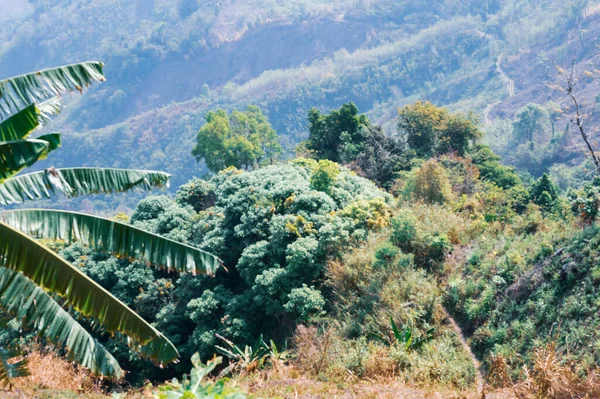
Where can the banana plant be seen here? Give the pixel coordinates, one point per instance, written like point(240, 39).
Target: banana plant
point(246, 360)
point(36, 284)
point(404, 337)
point(196, 386)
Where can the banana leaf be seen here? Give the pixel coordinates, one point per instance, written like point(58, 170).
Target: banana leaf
point(20, 91)
point(54, 274)
point(77, 181)
point(9, 368)
point(19, 125)
point(23, 299)
point(111, 236)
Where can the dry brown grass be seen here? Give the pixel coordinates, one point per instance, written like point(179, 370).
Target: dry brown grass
point(51, 372)
point(550, 378)
point(498, 374)
point(298, 386)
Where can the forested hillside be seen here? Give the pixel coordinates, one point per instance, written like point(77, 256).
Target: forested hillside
point(168, 62)
point(368, 198)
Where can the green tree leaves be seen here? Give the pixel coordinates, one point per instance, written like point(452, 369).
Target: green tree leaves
point(531, 121)
point(431, 130)
point(337, 132)
point(31, 273)
point(244, 140)
point(325, 175)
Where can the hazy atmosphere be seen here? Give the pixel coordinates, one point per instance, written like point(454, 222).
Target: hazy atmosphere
point(299, 199)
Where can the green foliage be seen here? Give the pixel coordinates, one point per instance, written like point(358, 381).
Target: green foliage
point(324, 176)
point(275, 234)
point(194, 386)
point(240, 139)
point(531, 121)
point(33, 277)
point(347, 137)
point(389, 318)
point(492, 170)
point(305, 302)
point(197, 193)
point(9, 368)
point(405, 337)
point(249, 359)
point(544, 193)
point(430, 183)
point(404, 229)
point(431, 130)
point(23, 299)
point(338, 133)
point(385, 254)
point(585, 202)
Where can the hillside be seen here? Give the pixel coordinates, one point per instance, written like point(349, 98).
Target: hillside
point(393, 199)
point(168, 63)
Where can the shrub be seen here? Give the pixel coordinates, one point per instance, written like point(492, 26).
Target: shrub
point(404, 229)
point(274, 233)
point(324, 176)
point(544, 193)
point(431, 183)
point(492, 170)
point(197, 193)
point(385, 254)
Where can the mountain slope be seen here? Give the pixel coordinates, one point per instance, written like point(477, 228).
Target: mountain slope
point(167, 63)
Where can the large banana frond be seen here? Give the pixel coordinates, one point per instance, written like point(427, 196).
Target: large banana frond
point(17, 155)
point(20, 91)
point(20, 125)
point(48, 109)
point(111, 236)
point(78, 181)
point(50, 272)
point(22, 298)
point(10, 369)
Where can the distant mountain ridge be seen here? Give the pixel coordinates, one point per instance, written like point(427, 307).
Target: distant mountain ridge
point(167, 63)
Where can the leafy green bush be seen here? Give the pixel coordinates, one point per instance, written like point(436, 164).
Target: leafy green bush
point(492, 170)
point(324, 177)
point(273, 231)
point(194, 386)
point(416, 345)
point(544, 193)
point(404, 229)
point(431, 130)
point(430, 183)
point(197, 193)
point(385, 254)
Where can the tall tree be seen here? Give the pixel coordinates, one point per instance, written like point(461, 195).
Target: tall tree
point(35, 282)
point(580, 112)
point(430, 130)
point(347, 137)
point(330, 133)
point(242, 139)
point(532, 120)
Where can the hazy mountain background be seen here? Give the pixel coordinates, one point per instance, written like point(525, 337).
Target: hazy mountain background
point(168, 62)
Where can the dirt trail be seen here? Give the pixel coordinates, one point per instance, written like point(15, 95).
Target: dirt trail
point(467, 349)
point(486, 112)
point(510, 88)
point(510, 84)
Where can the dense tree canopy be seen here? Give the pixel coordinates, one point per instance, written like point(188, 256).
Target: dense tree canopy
point(531, 122)
point(274, 228)
point(431, 130)
point(337, 134)
point(242, 139)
